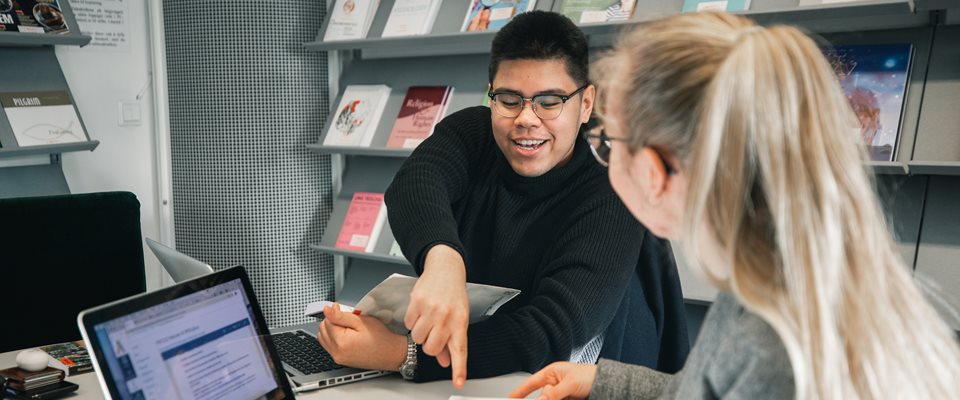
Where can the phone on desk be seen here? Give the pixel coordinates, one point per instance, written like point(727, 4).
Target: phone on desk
point(53, 391)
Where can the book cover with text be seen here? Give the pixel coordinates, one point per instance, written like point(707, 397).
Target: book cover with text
point(411, 17)
point(32, 16)
point(422, 108)
point(363, 223)
point(350, 19)
point(491, 15)
point(597, 11)
point(874, 78)
point(356, 118)
point(42, 118)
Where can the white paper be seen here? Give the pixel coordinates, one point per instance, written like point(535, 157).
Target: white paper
point(389, 300)
point(105, 21)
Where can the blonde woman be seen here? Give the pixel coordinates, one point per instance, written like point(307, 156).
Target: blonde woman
point(735, 140)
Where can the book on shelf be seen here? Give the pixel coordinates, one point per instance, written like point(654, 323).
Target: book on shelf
point(70, 357)
point(42, 118)
point(356, 118)
point(364, 221)
point(32, 16)
point(595, 11)
point(411, 17)
point(805, 3)
point(388, 301)
point(715, 5)
point(420, 111)
point(350, 19)
point(874, 79)
point(491, 15)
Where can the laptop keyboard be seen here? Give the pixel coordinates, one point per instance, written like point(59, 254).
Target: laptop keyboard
point(303, 352)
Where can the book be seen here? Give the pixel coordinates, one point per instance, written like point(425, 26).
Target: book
point(32, 16)
point(26, 380)
point(363, 223)
point(70, 357)
point(357, 116)
point(874, 79)
point(715, 5)
point(388, 301)
point(350, 19)
point(595, 11)
point(411, 17)
point(487, 15)
point(420, 111)
point(42, 118)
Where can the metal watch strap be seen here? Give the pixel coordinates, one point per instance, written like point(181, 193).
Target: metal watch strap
point(409, 366)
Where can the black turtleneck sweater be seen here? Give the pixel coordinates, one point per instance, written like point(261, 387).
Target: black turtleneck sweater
point(564, 239)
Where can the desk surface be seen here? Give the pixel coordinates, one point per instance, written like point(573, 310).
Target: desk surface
point(387, 387)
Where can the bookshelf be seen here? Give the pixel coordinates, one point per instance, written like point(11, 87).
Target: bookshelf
point(927, 155)
point(32, 56)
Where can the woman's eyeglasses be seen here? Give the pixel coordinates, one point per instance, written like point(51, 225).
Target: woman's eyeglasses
point(600, 146)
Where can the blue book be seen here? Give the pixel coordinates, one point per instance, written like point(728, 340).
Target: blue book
point(715, 5)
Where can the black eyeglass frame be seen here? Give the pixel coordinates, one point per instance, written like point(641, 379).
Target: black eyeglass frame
point(533, 104)
point(605, 140)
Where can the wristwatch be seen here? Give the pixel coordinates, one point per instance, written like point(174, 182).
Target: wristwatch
point(409, 366)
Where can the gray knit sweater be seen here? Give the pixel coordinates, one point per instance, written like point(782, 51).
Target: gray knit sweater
point(737, 356)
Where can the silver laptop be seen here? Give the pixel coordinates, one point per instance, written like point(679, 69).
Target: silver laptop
point(180, 266)
point(307, 364)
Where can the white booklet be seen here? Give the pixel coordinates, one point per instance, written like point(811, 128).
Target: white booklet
point(350, 19)
point(356, 118)
point(42, 118)
point(411, 17)
point(388, 301)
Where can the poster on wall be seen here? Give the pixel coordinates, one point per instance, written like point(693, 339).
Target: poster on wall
point(105, 21)
point(32, 16)
point(42, 118)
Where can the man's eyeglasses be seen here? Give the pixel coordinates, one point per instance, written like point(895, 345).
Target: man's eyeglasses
point(546, 106)
point(600, 147)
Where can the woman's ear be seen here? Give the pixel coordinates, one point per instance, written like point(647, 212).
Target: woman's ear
point(651, 173)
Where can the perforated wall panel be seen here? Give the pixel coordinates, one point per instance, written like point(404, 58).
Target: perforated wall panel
point(245, 99)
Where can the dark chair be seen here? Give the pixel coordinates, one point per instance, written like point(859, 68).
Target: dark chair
point(650, 326)
point(60, 255)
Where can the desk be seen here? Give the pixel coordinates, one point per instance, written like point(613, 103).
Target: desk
point(387, 387)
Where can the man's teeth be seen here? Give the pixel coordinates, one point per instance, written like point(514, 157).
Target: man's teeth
point(529, 143)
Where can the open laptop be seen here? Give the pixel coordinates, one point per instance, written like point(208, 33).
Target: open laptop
point(202, 338)
point(180, 266)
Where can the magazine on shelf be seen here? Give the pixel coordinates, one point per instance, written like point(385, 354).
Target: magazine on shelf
point(350, 19)
point(490, 15)
point(715, 5)
point(388, 301)
point(595, 11)
point(32, 16)
point(356, 118)
point(411, 17)
point(42, 118)
point(422, 108)
point(874, 79)
point(364, 221)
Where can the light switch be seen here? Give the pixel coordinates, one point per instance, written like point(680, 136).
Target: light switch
point(129, 113)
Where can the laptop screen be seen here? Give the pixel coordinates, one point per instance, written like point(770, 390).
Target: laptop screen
point(202, 345)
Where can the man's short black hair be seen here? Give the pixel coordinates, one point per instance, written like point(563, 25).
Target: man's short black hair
point(542, 35)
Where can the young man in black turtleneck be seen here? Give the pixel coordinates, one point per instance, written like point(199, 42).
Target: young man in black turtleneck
point(510, 196)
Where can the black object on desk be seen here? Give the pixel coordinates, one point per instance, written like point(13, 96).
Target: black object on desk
point(54, 391)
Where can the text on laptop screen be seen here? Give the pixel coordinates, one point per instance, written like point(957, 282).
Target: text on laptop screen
point(200, 346)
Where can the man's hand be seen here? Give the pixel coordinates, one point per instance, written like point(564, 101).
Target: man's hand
point(439, 311)
point(360, 341)
point(560, 380)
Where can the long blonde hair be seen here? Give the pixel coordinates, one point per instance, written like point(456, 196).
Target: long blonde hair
point(758, 119)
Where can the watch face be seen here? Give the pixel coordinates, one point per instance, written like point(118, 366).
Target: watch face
point(406, 371)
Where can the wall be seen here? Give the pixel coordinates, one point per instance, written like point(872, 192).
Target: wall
point(125, 159)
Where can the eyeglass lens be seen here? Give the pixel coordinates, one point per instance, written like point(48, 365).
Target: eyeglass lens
point(545, 106)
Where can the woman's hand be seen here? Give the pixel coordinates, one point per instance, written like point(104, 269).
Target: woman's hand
point(360, 341)
point(560, 380)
